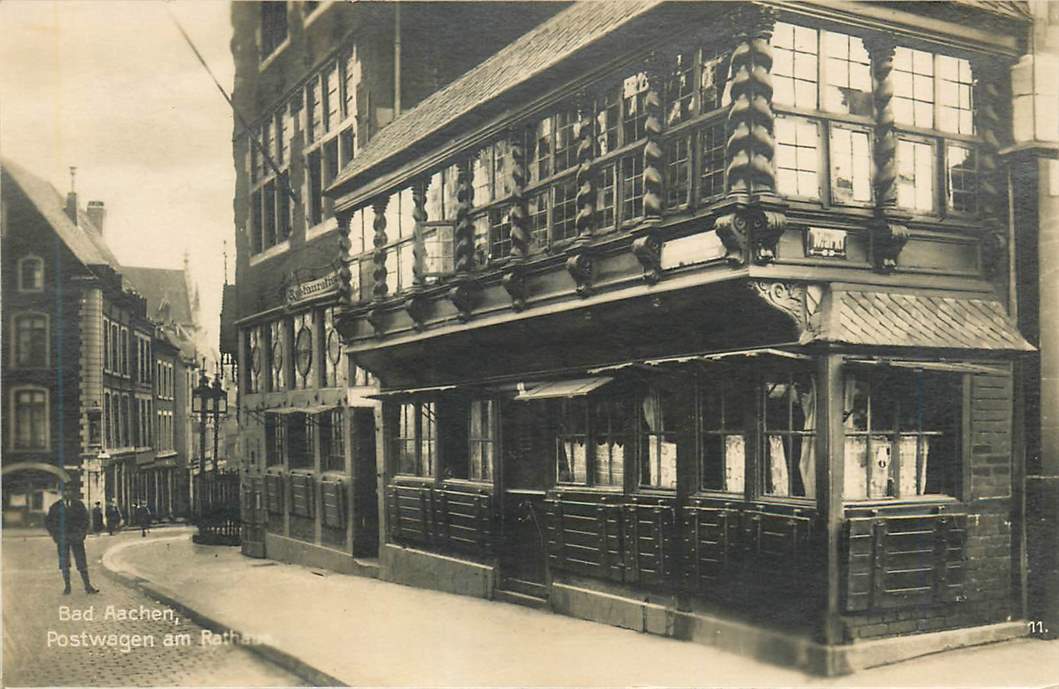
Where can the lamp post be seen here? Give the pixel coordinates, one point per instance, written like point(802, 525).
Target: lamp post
point(208, 401)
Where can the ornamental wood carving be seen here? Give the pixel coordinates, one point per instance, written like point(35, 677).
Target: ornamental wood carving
point(379, 240)
point(987, 77)
point(513, 280)
point(582, 268)
point(994, 253)
point(375, 316)
point(648, 251)
point(464, 232)
point(419, 214)
point(586, 195)
point(881, 50)
point(465, 294)
point(887, 239)
point(787, 297)
point(417, 306)
point(519, 215)
point(653, 155)
point(751, 121)
point(345, 273)
point(751, 227)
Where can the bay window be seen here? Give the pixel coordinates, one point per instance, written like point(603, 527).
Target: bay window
point(913, 76)
point(797, 157)
point(482, 439)
point(847, 70)
point(794, 66)
point(915, 174)
point(632, 189)
point(665, 423)
point(961, 171)
point(789, 406)
point(678, 171)
point(416, 438)
point(606, 197)
point(713, 80)
point(722, 418)
point(850, 165)
point(680, 88)
point(634, 113)
point(902, 430)
point(712, 143)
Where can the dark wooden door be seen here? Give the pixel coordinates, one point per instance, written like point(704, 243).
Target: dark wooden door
point(365, 485)
point(527, 475)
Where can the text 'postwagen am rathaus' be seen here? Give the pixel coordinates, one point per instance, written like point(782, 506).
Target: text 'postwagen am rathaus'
point(691, 318)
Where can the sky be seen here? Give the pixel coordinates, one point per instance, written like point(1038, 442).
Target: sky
point(111, 88)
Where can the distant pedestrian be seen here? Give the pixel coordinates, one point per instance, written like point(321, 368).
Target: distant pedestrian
point(113, 517)
point(143, 518)
point(97, 518)
point(67, 523)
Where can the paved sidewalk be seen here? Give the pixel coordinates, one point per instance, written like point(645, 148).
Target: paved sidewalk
point(362, 631)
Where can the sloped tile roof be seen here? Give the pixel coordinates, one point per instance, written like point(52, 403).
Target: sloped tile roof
point(534, 52)
point(83, 239)
point(164, 288)
point(1004, 8)
point(888, 319)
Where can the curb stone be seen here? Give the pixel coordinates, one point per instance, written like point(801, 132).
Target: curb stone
point(292, 664)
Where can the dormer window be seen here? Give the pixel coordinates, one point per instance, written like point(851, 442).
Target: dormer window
point(30, 274)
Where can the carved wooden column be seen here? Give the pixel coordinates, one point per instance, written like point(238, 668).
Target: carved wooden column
point(580, 263)
point(991, 199)
point(416, 303)
point(647, 247)
point(888, 231)
point(346, 261)
point(755, 217)
point(379, 240)
point(465, 289)
point(514, 278)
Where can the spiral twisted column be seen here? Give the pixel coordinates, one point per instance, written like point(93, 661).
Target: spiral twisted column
point(586, 193)
point(464, 232)
point(989, 124)
point(653, 155)
point(881, 50)
point(379, 240)
point(419, 215)
point(751, 145)
point(519, 215)
point(346, 260)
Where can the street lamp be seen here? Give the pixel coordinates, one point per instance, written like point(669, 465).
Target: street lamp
point(207, 400)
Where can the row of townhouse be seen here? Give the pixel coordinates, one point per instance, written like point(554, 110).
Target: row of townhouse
point(711, 320)
point(98, 362)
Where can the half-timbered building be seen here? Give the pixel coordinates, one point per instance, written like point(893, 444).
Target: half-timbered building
point(693, 318)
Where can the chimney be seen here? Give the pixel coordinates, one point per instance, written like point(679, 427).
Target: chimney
point(97, 213)
point(71, 198)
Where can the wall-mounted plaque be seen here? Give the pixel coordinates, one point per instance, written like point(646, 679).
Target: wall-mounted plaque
point(696, 248)
point(826, 242)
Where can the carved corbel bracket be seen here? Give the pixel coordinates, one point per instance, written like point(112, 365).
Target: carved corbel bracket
point(582, 268)
point(888, 239)
point(994, 253)
point(465, 295)
point(513, 280)
point(374, 316)
point(417, 305)
point(787, 297)
point(734, 233)
point(648, 251)
point(766, 228)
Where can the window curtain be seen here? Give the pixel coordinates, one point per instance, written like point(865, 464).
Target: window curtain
point(807, 461)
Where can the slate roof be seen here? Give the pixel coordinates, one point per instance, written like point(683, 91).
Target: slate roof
point(531, 54)
point(1004, 8)
point(83, 239)
point(162, 287)
point(888, 319)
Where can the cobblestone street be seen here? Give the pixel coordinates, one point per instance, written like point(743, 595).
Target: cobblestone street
point(34, 633)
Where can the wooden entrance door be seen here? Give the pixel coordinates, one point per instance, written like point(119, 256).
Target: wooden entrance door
point(365, 485)
point(527, 475)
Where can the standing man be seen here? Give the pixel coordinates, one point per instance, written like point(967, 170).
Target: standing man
point(113, 517)
point(67, 522)
point(97, 518)
point(143, 518)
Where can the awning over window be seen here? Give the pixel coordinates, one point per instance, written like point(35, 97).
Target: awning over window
point(945, 366)
point(314, 409)
point(938, 320)
point(408, 392)
point(577, 387)
point(716, 356)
